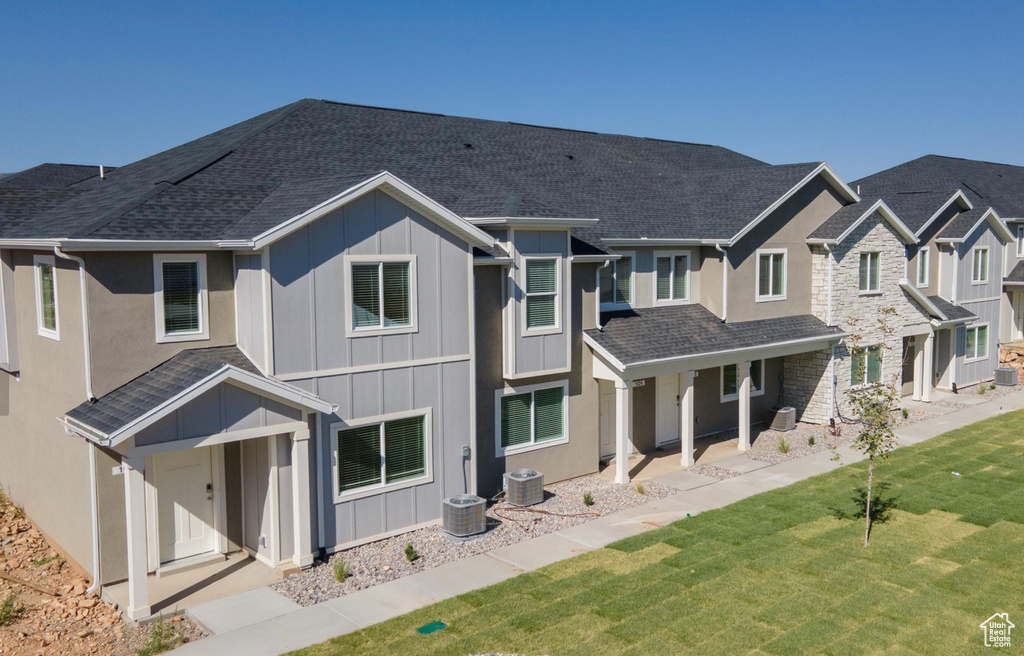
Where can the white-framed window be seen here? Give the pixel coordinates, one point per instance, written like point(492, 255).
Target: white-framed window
point(615, 283)
point(979, 265)
point(181, 298)
point(866, 365)
point(870, 272)
point(381, 453)
point(671, 277)
point(1020, 241)
point(923, 266)
point(542, 291)
point(47, 317)
point(730, 375)
point(381, 293)
point(531, 417)
point(976, 346)
point(771, 275)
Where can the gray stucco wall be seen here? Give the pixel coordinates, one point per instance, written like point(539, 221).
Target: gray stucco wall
point(645, 274)
point(787, 227)
point(712, 415)
point(580, 455)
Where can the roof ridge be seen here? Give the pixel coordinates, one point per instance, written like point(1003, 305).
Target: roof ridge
point(977, 161)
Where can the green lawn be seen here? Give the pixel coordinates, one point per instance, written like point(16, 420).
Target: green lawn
point(778, 573)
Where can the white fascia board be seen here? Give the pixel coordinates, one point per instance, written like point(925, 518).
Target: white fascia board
point(887, 214)
point(822, 169)
point(385, 181)
point(633, 242)
point(922, 300)
point(993, 219)
point(531, 222)
point(605, 355)
point(1013, 283)
point(610, 257)
point(957, 197)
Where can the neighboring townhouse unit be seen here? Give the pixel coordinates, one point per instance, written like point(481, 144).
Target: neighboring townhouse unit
point(962, 268)
point(302, 332)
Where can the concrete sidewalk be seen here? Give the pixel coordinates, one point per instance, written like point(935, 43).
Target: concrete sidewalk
point(259, 623)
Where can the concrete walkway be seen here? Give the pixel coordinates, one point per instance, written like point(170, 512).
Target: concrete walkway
point(262, 622)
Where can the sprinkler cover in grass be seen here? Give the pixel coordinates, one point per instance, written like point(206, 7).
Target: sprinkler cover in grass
point(433, 627)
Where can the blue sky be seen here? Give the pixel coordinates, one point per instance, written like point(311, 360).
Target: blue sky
point(863, 86)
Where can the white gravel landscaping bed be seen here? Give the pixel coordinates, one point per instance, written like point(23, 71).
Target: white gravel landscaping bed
point(382, 561)
point(765, 444)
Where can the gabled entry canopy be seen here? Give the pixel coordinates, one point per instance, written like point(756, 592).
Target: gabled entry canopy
point(115, 417)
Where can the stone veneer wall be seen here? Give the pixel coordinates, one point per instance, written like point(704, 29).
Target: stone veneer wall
point(1012, 355)
point(805, 385)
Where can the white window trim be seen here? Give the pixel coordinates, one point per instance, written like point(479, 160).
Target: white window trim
point(975, 327)
point(876, 255)
point(545, 330)
point(988, 262)
point(158, 298)
point(757, 274)
point(723, 397)
point(380, 488)
point(350, 329)
point(1020, 241)
point(864, 382)
point(43, 331)
point(672, 255)
point(501, 451)
point(926, 253)
point(612, 307)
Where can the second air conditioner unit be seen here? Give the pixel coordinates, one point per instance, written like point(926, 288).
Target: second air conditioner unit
point(464, 515)
point(524, 487)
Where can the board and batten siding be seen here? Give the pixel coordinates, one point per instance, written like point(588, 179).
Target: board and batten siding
point(372, 375)
point(984, 300)
point(548, 351)
point(249, 307)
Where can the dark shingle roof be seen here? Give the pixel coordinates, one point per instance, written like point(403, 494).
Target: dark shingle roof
point(50, 176)
point(26, 195)
point(841, 221)
point(645, 334)
point(915, 190)
point(237, 182)
point(960, 225)
point(1017, 274)
point(952, 312)
point(145, 393)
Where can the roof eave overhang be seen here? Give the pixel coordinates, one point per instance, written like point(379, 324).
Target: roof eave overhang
point(958, 197)
point(540, 223)
point(989, 216)
point(633, 242)
point(922, 300)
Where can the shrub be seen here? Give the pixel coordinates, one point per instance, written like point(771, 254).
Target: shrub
point(341, 571)
point(588, 499)
point(991, 386)
point(11, 610)
point(810, 440)
point(640, 489)
point(162, 637)
point(44, 561)
point(783, 445)
point(410, 552)
point(905, 412)
point(982, 389)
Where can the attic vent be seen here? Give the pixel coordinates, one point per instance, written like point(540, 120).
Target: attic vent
point(468, 145)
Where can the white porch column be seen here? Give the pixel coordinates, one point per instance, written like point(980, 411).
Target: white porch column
point(302, 520)
point(686, 418)
point(928, 379)
point(623, 429)
point(918, 367)
point(744, 403)
point(135, 524)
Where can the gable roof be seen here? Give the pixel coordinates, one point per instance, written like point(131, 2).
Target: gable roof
point(839, 226)
point(964, 224)
point(116, 416)
point(233, 183)
point(939, 309)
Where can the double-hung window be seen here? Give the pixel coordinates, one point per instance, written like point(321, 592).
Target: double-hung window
point(672, 277)
point(181, 297)
point(731, 380)
point(979, 265)
point(383, 453)
point(531, 417)
point(771, 275)
point(866, 365)
point(870, 271)
point(46, 297)
point(923, 264)
point(542, 292)
point(977, 343)
point(616, 283)
point(1020, 241)
point(382, 293)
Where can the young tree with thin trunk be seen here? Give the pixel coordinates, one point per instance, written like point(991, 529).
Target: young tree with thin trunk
point(875, 399)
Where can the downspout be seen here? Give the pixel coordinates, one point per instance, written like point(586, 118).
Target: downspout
point(93, 493)
point(828, 249)
point(597, 303)
point(725, 281)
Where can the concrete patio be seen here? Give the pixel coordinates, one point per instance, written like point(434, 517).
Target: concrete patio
point(259, 623)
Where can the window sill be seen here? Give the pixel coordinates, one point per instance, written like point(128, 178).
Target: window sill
point(516, 450)
point(873, 292)
point(615, 307)
point(49, 334)
point(736, 397)
point(968, 360)
point(769, 299)
point(673, 301)
point(378, 332)
point(979, 282)
point(375, 490)
point(922, 285)
point(540, 332)
point(183, 337)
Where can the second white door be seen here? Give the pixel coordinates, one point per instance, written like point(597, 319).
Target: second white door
point(667, 410)
point(184, 493)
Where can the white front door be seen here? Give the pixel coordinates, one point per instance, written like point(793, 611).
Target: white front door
point(184, 497)
point(666, 410)
point(606, 423)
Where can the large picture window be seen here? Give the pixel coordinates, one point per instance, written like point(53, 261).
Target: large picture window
point(181, 297)
point(46, 296)
point(866, 365)
point(977, 343)
point(731, 380)
point(672, 277)
point(531, 417)
point(870, 271)
point(542, 291)
point(771, 275)
point(616, 283)
point(382, 293)
point(381, 454)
